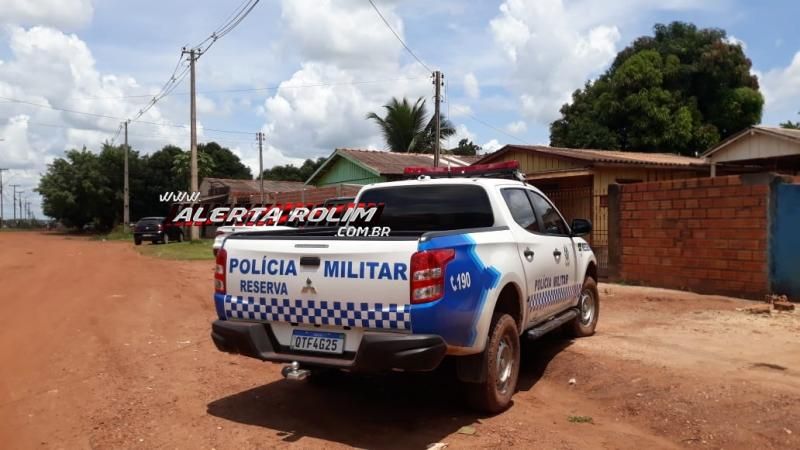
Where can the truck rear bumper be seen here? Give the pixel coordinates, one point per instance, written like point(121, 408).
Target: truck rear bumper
point(376, 353)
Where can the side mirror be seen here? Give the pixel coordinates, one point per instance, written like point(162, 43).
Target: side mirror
point(581, 227)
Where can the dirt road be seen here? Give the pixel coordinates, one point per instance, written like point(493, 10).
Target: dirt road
point(102, 347)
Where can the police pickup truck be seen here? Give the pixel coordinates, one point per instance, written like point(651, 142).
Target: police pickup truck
point(472, 264)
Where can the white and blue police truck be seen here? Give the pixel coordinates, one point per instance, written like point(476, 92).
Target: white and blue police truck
point(471, 265)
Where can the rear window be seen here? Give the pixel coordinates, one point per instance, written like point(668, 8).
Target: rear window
point(150, 221)
point(431, 208)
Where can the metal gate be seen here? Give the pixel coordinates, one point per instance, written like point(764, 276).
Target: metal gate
point(785, 241)
point(581, 203)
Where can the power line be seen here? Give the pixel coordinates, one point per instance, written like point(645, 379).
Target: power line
point(105, 116)
point(386, 22)
point(484, 123)
point(266, 88)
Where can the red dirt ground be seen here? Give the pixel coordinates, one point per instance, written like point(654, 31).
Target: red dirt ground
point(105, 348)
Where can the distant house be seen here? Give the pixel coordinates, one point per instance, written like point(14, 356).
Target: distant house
point(360, 167)
point(577, 180)
point(759, 148)
point(224, 190)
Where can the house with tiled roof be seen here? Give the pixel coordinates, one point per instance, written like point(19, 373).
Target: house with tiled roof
point(577, 180)
point(759, 147)
point(225, 190)
point(360, 167)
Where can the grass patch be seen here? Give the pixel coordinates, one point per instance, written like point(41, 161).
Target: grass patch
point(117, 234)
point(580, 419)
point(195, 250)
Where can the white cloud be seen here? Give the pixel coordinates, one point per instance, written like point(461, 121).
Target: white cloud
point(339, 44)
point(471, 87)
point(462, 132)
point(459, 110)
point(781, 89)
point(517, 127)
point(346, 33)
point(491, 146)
point(731, 39)
point(550, 54)
point(48, 67)
point(58, 13)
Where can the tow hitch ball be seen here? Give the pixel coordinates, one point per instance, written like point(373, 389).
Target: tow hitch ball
point(294, 372)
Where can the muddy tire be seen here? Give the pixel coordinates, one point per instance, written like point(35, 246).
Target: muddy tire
point(588, 310)
point(501, 358)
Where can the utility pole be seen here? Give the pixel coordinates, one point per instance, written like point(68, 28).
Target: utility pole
point(437, 82)
point(1, 197)
point(14, 200)
point(193, 54)
point(21, 217)
point(126, 211)
point(260, 138)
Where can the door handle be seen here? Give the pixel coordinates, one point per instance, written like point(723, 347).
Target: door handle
point(557, 253)
point(528, 254)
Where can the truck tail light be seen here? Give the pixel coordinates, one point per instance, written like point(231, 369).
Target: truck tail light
point(219, 271)
point(427, 274)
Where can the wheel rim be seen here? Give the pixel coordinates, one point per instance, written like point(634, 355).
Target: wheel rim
point(587, 307)
point(505, 364)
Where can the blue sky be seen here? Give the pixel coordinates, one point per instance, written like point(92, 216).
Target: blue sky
point(510, 64)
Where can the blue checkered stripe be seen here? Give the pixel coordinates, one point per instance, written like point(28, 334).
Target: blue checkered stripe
point(549, 297)
point(319, 312)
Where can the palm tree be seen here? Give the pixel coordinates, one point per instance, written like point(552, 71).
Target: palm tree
point(406, 127)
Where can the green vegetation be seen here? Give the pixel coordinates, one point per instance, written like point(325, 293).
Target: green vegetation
point(117, 234)
point(406, 128)
point(580, 419)
point(194, 250)
point(84, 189)
point(290, 172)
point(681, 91)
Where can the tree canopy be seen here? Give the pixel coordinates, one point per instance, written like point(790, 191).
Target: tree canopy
point(791, 125)
point(85, 188)
point(406, 127)
point(290, 172)
point(681, 90)
point(466, 148)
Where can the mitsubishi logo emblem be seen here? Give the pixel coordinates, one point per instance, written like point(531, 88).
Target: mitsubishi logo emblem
point(309, 287)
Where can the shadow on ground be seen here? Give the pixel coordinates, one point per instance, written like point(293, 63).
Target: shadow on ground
point(386, 411)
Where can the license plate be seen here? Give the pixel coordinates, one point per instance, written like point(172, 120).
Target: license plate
point(317, 341)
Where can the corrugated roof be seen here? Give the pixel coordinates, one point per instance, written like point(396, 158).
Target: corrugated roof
point(391, 163)
point(254, 186)
point(604, 156)
point(784, 133)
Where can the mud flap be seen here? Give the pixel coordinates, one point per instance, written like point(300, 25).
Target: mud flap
point(472, 368)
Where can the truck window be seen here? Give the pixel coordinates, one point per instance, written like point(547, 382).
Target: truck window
point(431, 208)
point(521, 209)
point(552, 223)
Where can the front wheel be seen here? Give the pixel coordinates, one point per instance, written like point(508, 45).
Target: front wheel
point(137, 241)
point(502, 367)
point(588, 310)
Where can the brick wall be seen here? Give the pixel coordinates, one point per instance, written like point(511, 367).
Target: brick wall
point(707, 235)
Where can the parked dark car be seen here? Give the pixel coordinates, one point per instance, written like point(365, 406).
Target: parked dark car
point(153, 229)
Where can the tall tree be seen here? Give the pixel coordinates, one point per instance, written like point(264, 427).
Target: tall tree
point(791, 125)
point(290, 172)
point(406, 127)
point(681, 90)
point(226, 163)
point(466, 148)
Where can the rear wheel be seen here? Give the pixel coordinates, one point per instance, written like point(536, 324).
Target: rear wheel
point(179, 237)
point(165, 238)
point(588, 310)
point(502, 367)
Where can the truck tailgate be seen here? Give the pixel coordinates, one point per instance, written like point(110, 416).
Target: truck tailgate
point(318, 283)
